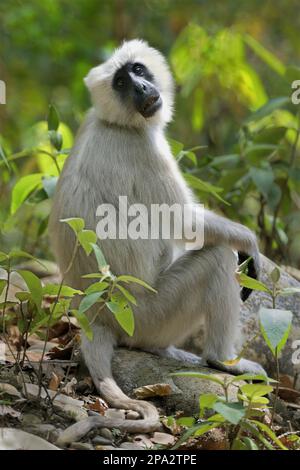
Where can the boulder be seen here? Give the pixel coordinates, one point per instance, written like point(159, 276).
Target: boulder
point(133, 369)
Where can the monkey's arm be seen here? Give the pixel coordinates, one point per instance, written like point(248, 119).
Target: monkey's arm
point(221, 231)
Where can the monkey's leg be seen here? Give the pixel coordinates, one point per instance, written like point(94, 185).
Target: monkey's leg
point(200, 283)
point(98, 355)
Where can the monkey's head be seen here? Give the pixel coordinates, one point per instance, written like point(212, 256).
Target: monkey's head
point(133, 88)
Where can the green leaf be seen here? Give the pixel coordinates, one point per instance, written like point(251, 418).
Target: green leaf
point(49, 185)
point(23, 296)
point(23, 188)
point(232, 412)
point(203, 186)
point(271, 135)
point(256, 390)
point(86, 238)
point(199, 375)
point(34, 285)
point(97, 287)
point(248, 426)
point(123, 315)
point(127, 294)
point(245, 377)
point(275, 326)
point(3, 256)
point(246, 281)
point(176, 147)
point(289, 291)
point(186, 421)
point(56, 139)
point(275, 275)
point(3, 156)
point(207, 400)
point(101, 261)
point(268, 108)
point(3, 283)
point(198, 428)
point(127, 279)
point(64, 291)
point(88, 301)
point(266, 56)
point(76, 223)
point(270, 433)
point(53, 118)
point(92, 276)
point(84, 323)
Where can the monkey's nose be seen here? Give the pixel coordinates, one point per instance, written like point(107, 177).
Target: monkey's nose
point(150, 101)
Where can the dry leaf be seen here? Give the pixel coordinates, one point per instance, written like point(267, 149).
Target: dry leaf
point(99, 406)
point(171, 424)
point(155, 390)
point(163, 438)
point(9, 390)
point(9, 411)
point(69, 388)
point(54, 382)
point(143, 441)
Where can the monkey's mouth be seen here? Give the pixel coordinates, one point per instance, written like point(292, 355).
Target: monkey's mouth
point(151, 105)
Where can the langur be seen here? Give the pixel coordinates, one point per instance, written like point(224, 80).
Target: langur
point(121, 149)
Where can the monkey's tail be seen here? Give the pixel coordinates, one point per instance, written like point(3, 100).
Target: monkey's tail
point(148, 423)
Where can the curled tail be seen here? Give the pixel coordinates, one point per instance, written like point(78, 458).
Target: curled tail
point(98, 355)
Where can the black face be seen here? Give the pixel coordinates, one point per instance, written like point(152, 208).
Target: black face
point(134, 82)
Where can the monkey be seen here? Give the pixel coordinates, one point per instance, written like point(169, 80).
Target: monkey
point(121, 149)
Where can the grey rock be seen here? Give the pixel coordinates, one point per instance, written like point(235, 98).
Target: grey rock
point(105, 432)
point(47, 431)
point(99, 440)
point(133, 369)
point(81, 446)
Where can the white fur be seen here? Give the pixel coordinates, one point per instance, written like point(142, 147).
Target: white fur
point(108, 105)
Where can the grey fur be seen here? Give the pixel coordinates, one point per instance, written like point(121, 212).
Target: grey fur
point(132, 157)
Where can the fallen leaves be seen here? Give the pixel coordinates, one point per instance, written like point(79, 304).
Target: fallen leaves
point(154, 390)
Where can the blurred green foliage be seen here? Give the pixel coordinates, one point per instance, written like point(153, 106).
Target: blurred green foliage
point(233, 63)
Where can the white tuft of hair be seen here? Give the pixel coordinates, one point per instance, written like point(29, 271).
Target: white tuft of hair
point(106, 101)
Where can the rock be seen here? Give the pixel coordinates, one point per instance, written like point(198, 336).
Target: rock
point(133, 369)
point(163, 438)
point(257, 350)
point(30, 419)
point(106, 448)
point(16, 439)
point(81, 446)
point(113, 413)
point(47, 431)
point(132, 414)
point(105, 432)
point(129, 446)
point(99, 440)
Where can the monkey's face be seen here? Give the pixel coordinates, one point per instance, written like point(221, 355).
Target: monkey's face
point(135, 86)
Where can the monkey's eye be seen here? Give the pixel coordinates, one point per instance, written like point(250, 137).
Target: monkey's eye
point(120, 82)
point(138, 69)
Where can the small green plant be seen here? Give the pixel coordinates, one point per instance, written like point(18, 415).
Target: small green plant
point(32, 316)
point(241, 419)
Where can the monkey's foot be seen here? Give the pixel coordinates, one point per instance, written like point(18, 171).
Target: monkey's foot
point(242, 367)
point(178, 354)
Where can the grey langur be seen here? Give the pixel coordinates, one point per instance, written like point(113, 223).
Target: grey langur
point(121, 149)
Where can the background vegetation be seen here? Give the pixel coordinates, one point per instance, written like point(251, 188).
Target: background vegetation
point(234, 63)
